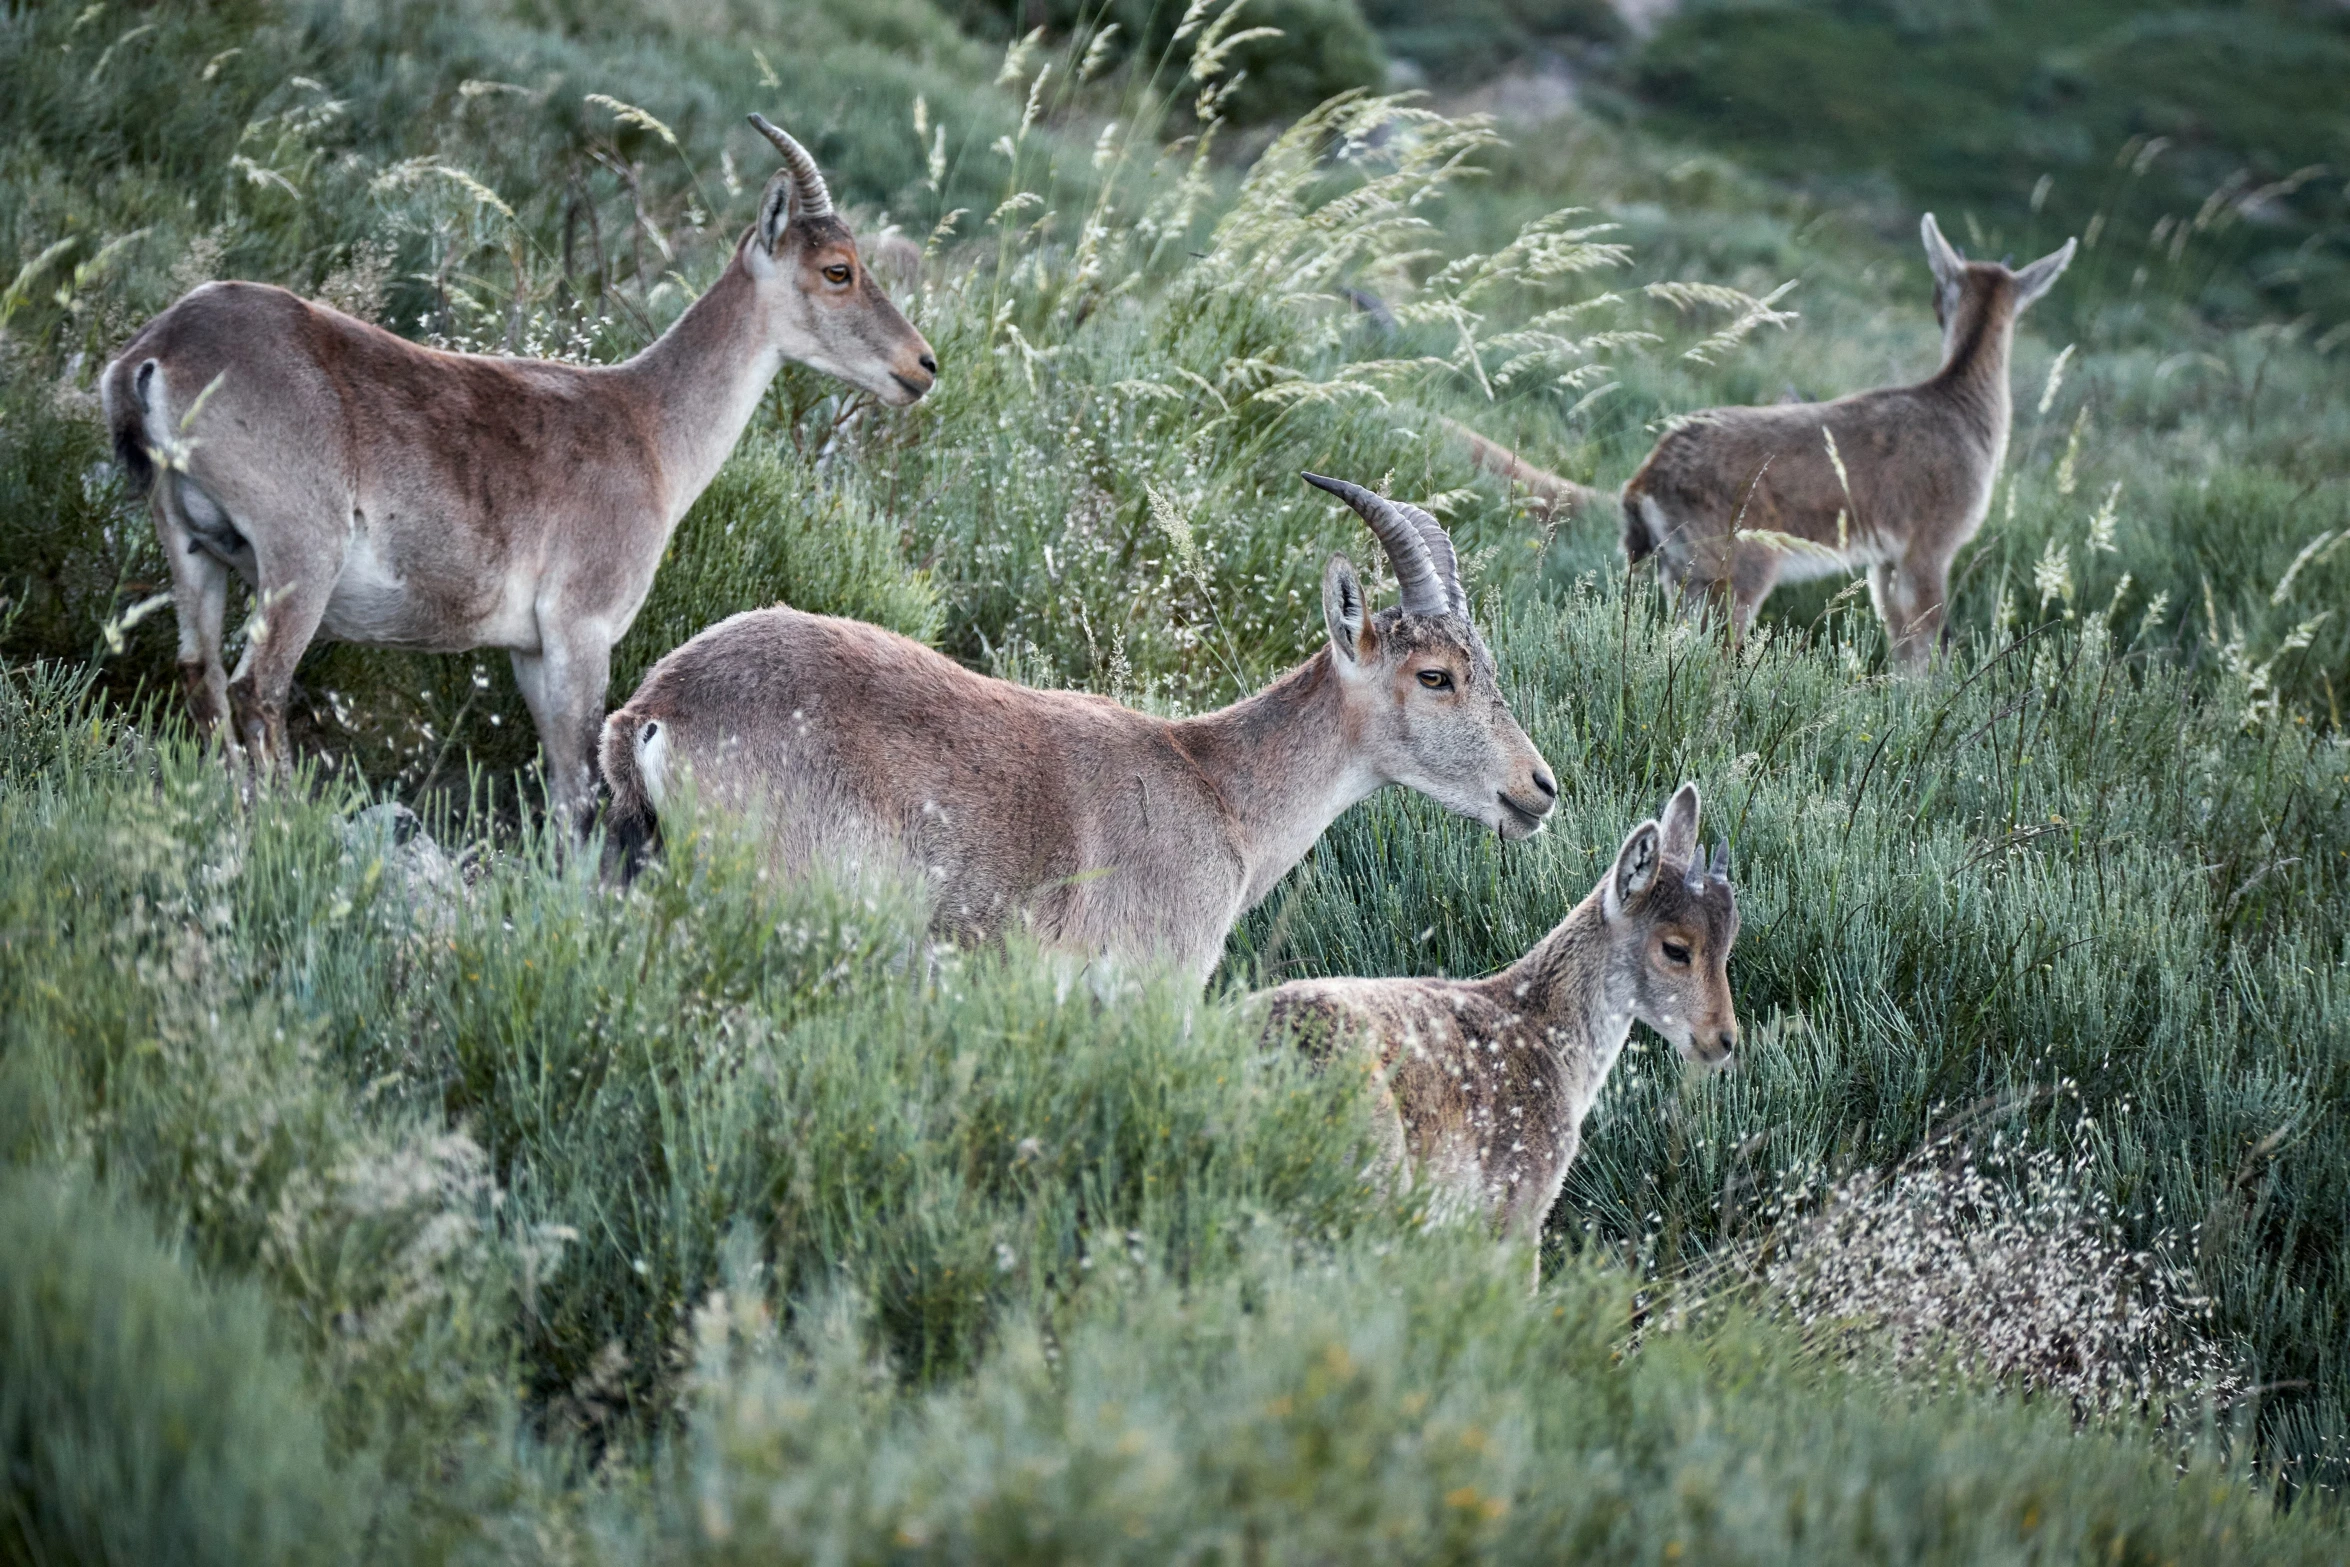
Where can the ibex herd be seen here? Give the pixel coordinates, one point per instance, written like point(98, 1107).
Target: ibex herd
point(369, 489)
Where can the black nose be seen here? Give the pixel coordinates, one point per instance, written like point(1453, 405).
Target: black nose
point(929, 363)
point(1547, 784)
point(1729, 1040)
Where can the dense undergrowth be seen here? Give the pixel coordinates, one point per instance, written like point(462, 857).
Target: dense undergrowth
point(722, 1219)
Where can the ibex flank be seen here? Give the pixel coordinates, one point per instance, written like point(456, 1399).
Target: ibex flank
point(1103, 830)
point(376, 491)
point(1482, 1085)
point(1895, 481)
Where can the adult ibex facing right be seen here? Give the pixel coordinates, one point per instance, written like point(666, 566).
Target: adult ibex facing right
point(1895, 481)
point(1103, 831)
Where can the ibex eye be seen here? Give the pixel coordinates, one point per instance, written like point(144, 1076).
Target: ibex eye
point(1675, 952)
point(1436, 680)
point(836, 274)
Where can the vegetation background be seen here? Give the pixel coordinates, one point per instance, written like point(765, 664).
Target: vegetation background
point(392, 1195)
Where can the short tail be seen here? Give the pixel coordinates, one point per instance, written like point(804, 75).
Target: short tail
point(635, 756)
point(123, 392)
point(1641, 518)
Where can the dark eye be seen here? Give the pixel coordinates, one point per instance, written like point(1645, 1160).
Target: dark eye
point(1436, 680)
point(836, 274)
point(1676, 954)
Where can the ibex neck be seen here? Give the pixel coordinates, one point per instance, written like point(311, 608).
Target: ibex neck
point(701, 382)
point(1280, 763)
point(1573, 986)
point(1974, 373)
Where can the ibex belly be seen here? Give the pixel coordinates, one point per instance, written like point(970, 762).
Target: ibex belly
point(377, 604)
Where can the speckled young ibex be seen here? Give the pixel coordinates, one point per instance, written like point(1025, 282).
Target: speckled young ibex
point(1104, 830)
point(1483, 1084)
point(1895, 481)
point(376, 491)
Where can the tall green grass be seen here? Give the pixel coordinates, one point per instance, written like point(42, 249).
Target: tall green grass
point(716, 1218)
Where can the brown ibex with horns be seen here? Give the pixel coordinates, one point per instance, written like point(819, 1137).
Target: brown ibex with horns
point(1104, 830)
point(1893, 481)
point(376, 491)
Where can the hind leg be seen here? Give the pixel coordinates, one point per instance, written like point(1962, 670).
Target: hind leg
point(289, 601)
point(1753, 576)
point(1912, 600)
point(199, 600)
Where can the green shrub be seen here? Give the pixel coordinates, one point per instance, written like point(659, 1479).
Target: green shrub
point(145, 1415)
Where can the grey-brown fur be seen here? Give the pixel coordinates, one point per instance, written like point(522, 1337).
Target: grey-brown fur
point(1482, 1085)
point(1103, 830)
point(373, 490)
point(1921, 461)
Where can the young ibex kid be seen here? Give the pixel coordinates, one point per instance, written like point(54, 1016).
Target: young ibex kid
point(1895, 481)
point(1482, 1084)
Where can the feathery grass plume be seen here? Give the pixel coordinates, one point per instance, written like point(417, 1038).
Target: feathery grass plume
point(2066, 466)
point(1097, 52)
point(2052, 576)
point(1749, 313)
point(1017, 55)
point(2313, 553)
point(2055, 379)
point(2101, 525)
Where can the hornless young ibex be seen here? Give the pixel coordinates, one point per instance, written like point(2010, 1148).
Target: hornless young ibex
point(1920, 461)
point(1107, 831)
point(1482, 1084)
point(373, 490)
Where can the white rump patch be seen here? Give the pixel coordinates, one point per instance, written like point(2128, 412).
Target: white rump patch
point(652, 759)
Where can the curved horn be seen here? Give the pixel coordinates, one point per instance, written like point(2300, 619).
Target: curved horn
point(1417, 579)
point(807, 180)
point(1440, 555)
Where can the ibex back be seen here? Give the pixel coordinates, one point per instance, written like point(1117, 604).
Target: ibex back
point(376, 491)
point(1893, 481)
point(1106, 831)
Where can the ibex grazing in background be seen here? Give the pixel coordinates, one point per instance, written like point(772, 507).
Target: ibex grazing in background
point(1895, 481)
point(1483, 1084)
point(373, 490)
point(1107, 831)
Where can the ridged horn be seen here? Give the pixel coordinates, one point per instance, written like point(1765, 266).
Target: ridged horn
point(1417, 578)
point(1720, 870)
point(1440, 555)
point(806, 178)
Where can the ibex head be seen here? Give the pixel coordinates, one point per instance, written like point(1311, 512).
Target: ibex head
point(1674, 920)
point(1421, 691)
point(1957, 281)
point(825, 309)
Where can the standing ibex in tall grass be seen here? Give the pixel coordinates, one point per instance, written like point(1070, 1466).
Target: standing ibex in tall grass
point(384, 493)
point(1895, 481)
point(1105, 830)
point(1483, 1084)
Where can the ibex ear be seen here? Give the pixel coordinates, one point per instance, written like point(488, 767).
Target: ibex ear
point(775, 204)
point(1635, 872)
point(1343, 610)
point(1680, 829)
point(2041, 275)
point(1949, 266)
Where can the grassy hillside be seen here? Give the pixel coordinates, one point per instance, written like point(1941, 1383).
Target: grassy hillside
point(394, 1196)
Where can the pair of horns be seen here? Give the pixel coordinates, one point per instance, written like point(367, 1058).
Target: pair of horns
point(807, 180)
point(1427, 573)
point(1718, 869)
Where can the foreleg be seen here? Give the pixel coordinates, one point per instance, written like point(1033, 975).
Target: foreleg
point(564, 683)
